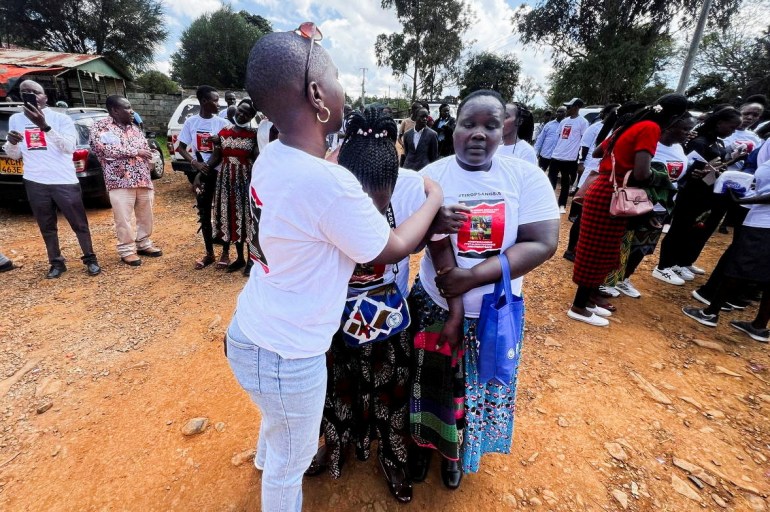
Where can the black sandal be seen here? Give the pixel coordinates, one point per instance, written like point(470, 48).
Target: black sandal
point(235, 266)
point(398, 482)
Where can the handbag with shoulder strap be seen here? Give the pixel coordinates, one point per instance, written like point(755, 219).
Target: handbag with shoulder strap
point(627, 201)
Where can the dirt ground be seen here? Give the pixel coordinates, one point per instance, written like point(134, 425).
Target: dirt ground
point(99, 375)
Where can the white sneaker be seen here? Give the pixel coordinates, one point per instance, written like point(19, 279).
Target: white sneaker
point(562, 209)
point(598, 310)
point(594, 319)
point(683, 273)
point(609, 290)
point(696, 270)
point(629, 289)
point(667, 276)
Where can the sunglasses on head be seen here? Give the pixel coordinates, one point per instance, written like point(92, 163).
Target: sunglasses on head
point(309, 30)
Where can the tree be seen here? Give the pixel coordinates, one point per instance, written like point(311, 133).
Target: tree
point(155, 82)
point(429, 47)
point(490, 71)
point(257, 21)
point(731, 65)
point(124, 31)
point(527, 90)
point(609, 50)
point(214, 50)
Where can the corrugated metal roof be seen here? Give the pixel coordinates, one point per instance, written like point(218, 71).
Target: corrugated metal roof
point(44, 59)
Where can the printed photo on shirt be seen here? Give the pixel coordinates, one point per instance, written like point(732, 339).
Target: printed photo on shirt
point(366, 275)
point(482, 234)
point(35, 138)
point(675, 169)
point(566, 131)
point(204, 142)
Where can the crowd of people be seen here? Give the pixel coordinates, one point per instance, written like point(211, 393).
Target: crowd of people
point(324, 206)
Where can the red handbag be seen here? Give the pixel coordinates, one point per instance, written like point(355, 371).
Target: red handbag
point(627, 201)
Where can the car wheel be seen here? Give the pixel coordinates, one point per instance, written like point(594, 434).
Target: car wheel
point(158, 167)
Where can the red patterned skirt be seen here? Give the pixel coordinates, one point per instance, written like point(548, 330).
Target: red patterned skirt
point(598, 249)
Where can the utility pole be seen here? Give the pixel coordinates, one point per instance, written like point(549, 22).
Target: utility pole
point(684, 78)
point(363, 88)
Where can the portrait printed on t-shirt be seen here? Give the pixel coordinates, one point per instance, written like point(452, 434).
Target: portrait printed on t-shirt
point(482, 234)
point(566, 131)
point(35, 138)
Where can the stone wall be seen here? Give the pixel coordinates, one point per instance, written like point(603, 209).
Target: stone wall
point(155, 109)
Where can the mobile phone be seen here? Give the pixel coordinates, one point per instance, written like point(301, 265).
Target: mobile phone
point(29, 99)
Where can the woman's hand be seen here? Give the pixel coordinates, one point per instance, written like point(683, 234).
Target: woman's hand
point(200, 166)
point(451, 333)
point(454, 281)
point(450, 219)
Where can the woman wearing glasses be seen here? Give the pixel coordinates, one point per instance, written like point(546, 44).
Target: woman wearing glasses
point(311, 223)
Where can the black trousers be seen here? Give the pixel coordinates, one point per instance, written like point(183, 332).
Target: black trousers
point(543, 162)
point(44, 200)
point(203, 202)
point(717, 276)
point(685, 241)
point(568, 172)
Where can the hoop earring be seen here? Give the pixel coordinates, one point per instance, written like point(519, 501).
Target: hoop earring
point(328, 116)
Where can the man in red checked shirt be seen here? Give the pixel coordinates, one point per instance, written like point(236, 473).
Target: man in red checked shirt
point(126, 159)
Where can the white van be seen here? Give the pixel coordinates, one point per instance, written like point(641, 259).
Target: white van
point(187, 108)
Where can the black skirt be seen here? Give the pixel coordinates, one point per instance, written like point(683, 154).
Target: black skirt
point(750, 258)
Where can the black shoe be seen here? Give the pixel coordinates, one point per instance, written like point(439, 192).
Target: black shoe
point(419, 463)
point(706, 299)
point(738, 304)
point(235, 266)
point(93, 269)
point(55, 272)
point(569, 255)
point(318, 464)
point(451, 473)
point(398, 482)
point(723, 230)
point(152, 252)
point(247, 269)
point(5, 267)
point(700, 316)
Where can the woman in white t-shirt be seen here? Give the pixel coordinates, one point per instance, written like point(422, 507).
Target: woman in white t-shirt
point(512, 144)
point(367, 394)
point(745, 261)
point(512, 211)
point(311, 223)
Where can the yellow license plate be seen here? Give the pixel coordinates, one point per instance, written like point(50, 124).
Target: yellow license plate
point(8, 166)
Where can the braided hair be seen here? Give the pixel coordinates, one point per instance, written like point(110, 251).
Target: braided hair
point(369, 150)
point(708, 128)
point(666, 110)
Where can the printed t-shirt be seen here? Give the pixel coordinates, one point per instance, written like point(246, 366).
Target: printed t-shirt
point(591, 164)
point(674, 159)
point(764, 154)
point(642, 136)
point(47, 157)
point(571, 132)
point(741, 137)
point(759, 214)
point(196, 133)
point(511, 193)
point(408, 197)
point(521, 149)
point(311, 223)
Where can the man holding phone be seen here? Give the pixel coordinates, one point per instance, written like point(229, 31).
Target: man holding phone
point(45, 141)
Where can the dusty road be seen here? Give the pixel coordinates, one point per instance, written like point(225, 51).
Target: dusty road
point(99, 375)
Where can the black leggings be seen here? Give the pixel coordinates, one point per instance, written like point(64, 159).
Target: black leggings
point(203, 202)
point(568, 170)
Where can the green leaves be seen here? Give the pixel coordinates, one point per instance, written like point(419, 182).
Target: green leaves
point(215, 48)
point(491, 71)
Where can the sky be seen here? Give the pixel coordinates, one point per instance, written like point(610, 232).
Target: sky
point(351, 28)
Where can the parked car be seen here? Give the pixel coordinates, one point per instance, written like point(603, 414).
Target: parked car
point(87, 167)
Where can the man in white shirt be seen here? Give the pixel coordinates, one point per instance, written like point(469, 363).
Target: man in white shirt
point(196, 145)
point(547, 138)
point(565, 154)
point(45, 141)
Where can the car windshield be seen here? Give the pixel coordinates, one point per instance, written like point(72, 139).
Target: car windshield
point(4, 117)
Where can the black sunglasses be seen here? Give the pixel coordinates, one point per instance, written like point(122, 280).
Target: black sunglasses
point(310, 31)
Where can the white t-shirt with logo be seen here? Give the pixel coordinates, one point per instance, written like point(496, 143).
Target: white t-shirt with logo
point(674, 158)
point(571, 132)
point(511, 193)
point(591, 164)
point(746, 138)
point(759, 214)
point(521, 149)
point(46, 156)
point(408, 197)
point(196, 133)
point(312, 222)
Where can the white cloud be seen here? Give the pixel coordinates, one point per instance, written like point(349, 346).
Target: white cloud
point(163, 66)
point(187, 10)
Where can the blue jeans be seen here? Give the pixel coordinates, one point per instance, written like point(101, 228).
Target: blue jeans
point(290, 395)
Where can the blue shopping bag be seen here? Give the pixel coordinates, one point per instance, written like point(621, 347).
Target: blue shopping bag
point(499, 330)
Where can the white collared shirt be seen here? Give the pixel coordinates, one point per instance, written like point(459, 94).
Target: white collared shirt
point(417, 135)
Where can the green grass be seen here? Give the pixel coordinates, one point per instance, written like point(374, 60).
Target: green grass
point(162, 142)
